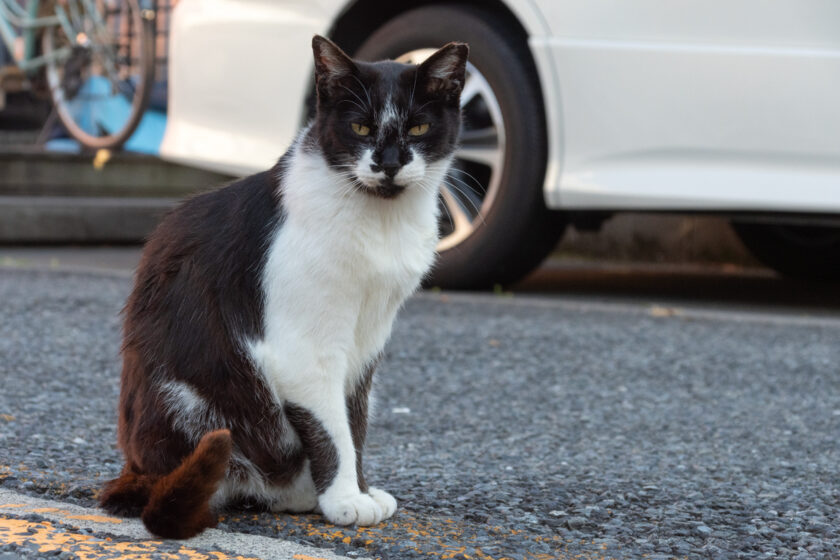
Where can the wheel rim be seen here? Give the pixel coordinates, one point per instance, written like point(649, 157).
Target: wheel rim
point(472, 184)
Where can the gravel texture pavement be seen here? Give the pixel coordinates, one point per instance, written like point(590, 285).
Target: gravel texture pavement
point(507, 427)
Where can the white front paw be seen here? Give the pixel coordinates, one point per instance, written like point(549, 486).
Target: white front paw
point(360, 509)
point(385, 500)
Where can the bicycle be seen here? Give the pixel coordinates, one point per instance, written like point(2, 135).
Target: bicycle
point(97, 58)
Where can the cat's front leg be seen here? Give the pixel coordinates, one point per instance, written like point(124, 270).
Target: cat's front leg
point(358, 412)
point(323, 427)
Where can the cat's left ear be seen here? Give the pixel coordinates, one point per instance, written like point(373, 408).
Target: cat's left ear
point(332, 64)
point(444, 72)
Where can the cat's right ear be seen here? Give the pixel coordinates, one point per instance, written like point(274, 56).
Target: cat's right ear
point(444, 73)
point(332, 65)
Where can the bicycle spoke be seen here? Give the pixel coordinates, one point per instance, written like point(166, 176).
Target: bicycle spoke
point(76, 19)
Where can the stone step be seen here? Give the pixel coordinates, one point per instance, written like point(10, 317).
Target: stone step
point(64, 198)
point(78, 219)
point(39, 173)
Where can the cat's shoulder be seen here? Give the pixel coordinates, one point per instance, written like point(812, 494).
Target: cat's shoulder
point(254, 190)
point(231, 220)
point(250, 198)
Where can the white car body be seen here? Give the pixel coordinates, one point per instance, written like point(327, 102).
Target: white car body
point(651, 104)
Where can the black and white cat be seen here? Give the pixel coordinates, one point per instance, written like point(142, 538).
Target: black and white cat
point(260, 310)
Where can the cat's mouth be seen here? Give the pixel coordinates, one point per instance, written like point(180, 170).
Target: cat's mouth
point(385, 188)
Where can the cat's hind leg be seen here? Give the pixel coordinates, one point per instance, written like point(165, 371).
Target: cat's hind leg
point(245, 483)
point(128, 494)
point(298, 497)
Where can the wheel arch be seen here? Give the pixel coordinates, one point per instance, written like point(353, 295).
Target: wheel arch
point(360, 18)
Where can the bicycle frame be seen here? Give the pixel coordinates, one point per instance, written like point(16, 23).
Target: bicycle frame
point(12, 15)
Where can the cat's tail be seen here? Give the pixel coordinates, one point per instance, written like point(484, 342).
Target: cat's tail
point(176, 505)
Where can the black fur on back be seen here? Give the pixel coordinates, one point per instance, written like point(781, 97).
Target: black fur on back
point(197, 299)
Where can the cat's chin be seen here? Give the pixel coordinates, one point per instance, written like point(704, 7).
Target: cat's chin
point(384, 189)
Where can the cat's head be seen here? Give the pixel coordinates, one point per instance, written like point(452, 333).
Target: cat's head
point(388, 126)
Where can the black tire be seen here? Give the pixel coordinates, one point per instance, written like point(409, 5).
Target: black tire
point(517, 230)
point(139, 53)
point(804, 252)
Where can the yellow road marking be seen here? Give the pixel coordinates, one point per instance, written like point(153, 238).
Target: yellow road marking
point(49, 538)
point(434, 537)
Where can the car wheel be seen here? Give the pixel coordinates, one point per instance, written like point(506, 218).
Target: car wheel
point(495, 227)
point(807, 252)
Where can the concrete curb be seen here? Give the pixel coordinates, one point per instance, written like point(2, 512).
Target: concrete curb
point(69, 219)
point(99, 535)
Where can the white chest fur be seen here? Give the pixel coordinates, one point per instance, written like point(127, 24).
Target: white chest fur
point(337, 271)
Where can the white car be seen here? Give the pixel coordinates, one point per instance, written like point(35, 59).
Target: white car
point(573, 110)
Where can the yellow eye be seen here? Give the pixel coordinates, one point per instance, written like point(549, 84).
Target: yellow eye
point(418, 130)
point(360, 129)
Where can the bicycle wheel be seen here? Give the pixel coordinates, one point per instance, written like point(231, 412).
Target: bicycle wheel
point(101, 78)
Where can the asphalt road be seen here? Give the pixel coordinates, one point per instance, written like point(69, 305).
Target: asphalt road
point(524, 426)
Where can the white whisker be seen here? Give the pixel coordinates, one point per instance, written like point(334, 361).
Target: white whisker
point(356, 95)
point(364, 110)
point(464, 196)
point(469, 176)
point(365, 89)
